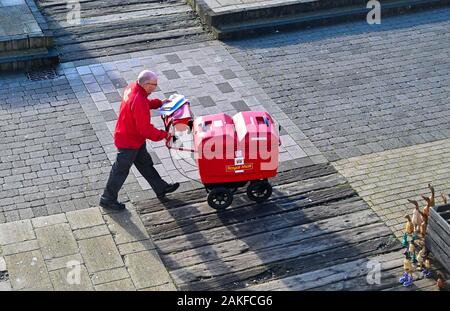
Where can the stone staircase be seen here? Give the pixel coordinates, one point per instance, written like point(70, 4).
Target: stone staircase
point(240, 18)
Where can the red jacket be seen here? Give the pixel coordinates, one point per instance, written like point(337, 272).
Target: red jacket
point(133, 126)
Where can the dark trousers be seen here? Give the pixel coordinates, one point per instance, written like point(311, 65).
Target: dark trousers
point(121, 168)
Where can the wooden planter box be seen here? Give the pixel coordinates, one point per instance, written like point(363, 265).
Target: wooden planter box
point(437, 239)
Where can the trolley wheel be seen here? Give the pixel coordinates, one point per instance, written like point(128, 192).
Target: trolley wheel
point(259, 191)
point(220, 198)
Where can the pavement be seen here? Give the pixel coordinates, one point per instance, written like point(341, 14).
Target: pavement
point(60, 133)
point(17, 20)
point(386, 180)
point(207, 75)
point(81, 250)
point(372, 101)
point(372, 98)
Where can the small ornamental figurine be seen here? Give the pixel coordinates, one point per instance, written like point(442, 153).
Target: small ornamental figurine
point(444, 198)
point(412, 248)
point(426, 209)
point(409, 227)
point(405, 240)
point(430, 201)
point(421, 258)
point(407, 266)
point(426, 273)
point(404, 277)
point(440, 282)
point(409, 281)
point(407, 278)
point(427, 264)
point(417, 217)
point(427, 268)
point(423, 227)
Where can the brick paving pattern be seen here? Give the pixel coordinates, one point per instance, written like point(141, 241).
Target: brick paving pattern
point(51, 160)
point(355, 88)
point(81, 250)
point(385, 180)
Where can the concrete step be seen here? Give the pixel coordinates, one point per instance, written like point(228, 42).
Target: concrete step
point(25, 41)
point(321, 16)
point(269, 9)
point(27, 59)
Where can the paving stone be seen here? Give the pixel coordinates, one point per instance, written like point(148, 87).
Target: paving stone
point(240, 105)
point(5, 286)
point(113, 97)
point(48, 220)
point(119, 83)
point(134, 247)
point(228, 74)
point(206, 101)
point(109, 115)
point(97, 97)
point(225, 87)
point(121, 285)
point(27, 271)
point(2, 264)
point(85, 218)
point(171, 74)
point(161, 288)
point(155, 158)
point(100, 253)
point(296, 152)
point(56, 241)
point(108, 276)
point(62, 262)
point(126, 227)
point(91, 232)
point(19, 247)
point(83, 70)
point(196, 70)
point(71, 279)
point(16, 232)
point(173, 59)
point(146, 269)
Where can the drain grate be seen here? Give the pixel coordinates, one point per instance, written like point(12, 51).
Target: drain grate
point(42, 74)
point(4, 276)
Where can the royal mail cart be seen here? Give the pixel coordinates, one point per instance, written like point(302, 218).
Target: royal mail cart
point(230, 152)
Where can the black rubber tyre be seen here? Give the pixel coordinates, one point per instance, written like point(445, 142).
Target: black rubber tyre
point(259, 191)
point(220, 198)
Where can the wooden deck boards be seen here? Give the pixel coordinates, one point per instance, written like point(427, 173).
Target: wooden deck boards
point(314, 233)
point(116, 27)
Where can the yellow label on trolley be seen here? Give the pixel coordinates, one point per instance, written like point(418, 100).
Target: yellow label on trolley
point(241, 167)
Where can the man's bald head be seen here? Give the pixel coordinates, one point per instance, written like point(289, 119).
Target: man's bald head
point(148, 80)
point(146, 76)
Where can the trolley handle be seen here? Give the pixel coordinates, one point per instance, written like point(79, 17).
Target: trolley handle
point(172, 138)
point(279, 136)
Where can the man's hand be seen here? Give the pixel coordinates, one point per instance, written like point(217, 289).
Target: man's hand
point(166, 100)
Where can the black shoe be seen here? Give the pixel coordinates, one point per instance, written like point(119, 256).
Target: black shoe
point(170, 188)
point(114, 205)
